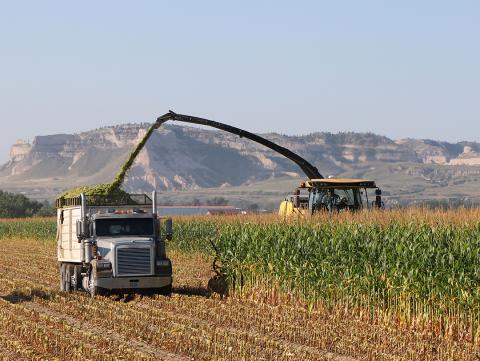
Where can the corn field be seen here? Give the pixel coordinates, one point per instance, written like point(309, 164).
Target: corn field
point(417, 269)
point(383, 285)
point(42, 229)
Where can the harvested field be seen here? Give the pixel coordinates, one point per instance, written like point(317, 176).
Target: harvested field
point(256, 322)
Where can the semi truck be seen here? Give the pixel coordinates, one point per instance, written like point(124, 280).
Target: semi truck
point(113, 243)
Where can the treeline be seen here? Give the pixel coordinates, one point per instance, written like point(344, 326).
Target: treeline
point(444, 204)
point(215, 201)
point(14, 205)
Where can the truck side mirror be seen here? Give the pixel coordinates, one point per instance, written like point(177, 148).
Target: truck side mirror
point(169, 229)
point(83, 229)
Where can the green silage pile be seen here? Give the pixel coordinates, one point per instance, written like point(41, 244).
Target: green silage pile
point(111, 189)
point(105, 189)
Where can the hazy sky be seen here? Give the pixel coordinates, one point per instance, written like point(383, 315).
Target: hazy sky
point(398, 68)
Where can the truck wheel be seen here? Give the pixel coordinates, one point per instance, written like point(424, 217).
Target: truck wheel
point(94, 290)
point(97, 291)
point(68, 277)
point(76, 277)
point(165, 291)
point(62, 276)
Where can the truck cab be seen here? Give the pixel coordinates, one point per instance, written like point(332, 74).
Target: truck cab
point(111, 243)
point(331, 195)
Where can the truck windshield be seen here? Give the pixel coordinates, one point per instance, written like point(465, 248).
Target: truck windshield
point(124, 227)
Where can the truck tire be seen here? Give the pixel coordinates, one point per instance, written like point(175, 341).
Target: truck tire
point(165, 291)
point(62, 276)
point(97, 291)
point(77, 277)
point(68, 277)
point(94, 290)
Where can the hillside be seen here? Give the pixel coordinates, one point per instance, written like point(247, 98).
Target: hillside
point(186, 162)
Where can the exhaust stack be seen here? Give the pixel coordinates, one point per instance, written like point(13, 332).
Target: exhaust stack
point(154, 202)
point(83, 226)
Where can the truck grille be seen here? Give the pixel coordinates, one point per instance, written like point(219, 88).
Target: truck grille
point(133, 261)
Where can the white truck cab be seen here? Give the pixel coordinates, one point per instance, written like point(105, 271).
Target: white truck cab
point(113, 243)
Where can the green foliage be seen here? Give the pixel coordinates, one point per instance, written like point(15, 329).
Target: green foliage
point(217, 201)
point(120, 177)
point(17, 205)
point(175, 201)
point(193, 234)
point(452, 203)
point(43, 229)
point(47, 210)
point(410, 267)
point(98, 189)
point(253, 207)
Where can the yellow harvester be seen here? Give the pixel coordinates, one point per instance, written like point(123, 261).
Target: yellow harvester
point(314, 195)
point(331, 195)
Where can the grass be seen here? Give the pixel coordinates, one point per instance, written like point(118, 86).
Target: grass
point(41, 229)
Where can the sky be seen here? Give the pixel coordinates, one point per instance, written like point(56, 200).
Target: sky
point(397, 68)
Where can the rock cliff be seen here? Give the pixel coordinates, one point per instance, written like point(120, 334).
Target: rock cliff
point(184, 158)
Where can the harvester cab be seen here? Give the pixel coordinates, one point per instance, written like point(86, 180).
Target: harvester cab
point(331, 195)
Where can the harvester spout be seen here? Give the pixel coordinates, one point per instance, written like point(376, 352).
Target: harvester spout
point(310, 170)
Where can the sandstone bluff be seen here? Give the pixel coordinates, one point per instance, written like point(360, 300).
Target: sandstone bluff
point(179, 158)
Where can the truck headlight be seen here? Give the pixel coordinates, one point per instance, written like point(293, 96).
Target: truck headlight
point(163, 267)
point(163, 263)
point(103, 265)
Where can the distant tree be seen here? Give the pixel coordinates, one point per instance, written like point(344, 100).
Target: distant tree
point(196, 202)
point(17, 205)
point(217, 201)
point(253, 207)
point(47, 210)
point(451, 203)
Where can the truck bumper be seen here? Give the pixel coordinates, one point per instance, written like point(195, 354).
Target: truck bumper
point(112, 283)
